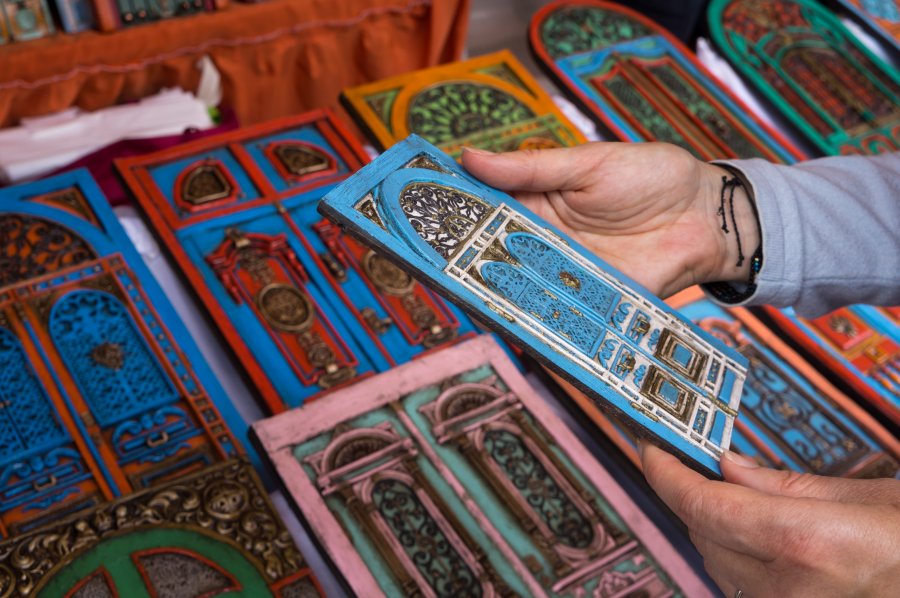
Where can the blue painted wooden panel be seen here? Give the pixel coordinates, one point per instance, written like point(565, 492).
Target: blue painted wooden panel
point(581, 69)
point(782, 410)
point(528, 280)
point(88, 337)
point(376, 315)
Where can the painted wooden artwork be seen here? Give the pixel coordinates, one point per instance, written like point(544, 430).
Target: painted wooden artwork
point(881, 17)
point(75, 15)
point(799, 55)
point(27, 19)
point(304, 308)
point(450, 476)
point(208, 534)
point(4, 28)
point(641, 83)
point(526, 279)
point(791, 417)
point(859, 344)
point(102, 391)
point(490, 102)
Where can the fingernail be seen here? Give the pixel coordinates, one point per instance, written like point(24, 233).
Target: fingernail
point(641, 443)
point(740, 460)
point(478, 151)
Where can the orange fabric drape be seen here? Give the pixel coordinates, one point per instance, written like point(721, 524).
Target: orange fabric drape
point(276, 58)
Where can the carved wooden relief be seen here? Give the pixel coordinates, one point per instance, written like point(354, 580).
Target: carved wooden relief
point(642, 84)
point(526, 279)
point(790, 415)
point(304, 309)
point(449, 476)
point(101, 390)
point(489, 102)
point(857, 343)
point(206, 534)
point(841, 96)
point(881, 17)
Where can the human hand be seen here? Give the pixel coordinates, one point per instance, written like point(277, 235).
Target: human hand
point(649, 209)
point(780, 533)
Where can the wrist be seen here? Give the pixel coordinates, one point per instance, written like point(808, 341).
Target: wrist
point(736, 230)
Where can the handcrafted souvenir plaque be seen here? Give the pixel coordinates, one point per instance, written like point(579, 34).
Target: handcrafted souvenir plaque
point(101, 388)
point(451, 477)
point(208, 534)
point(822, 78)
point(27, 19)
point(490, 102)
point(790, 415)
point(628, 350)
point(643, 84)
point(859, 344)
point(304, 308)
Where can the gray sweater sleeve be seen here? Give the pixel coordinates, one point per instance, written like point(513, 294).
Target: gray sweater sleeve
point(830, 231)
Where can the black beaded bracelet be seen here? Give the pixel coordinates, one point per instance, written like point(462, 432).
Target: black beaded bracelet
point(725, 291)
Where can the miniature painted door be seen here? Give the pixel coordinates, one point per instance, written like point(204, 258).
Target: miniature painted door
point(101, 389)
point(211, 533)
point(881, 17)
point(842, 97)
point(450, 476)
point(304, 309)
point(526, 279)
point(490, 102)
point(642, 84)
point(27, 19)
point(791, 417)
point(859, 344)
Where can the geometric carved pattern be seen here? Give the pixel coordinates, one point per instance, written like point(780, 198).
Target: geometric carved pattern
point(32, 246)
point(443, 217)
point(26, 414)
point(83, 324)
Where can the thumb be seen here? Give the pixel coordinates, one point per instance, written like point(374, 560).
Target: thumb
point(742, 470)
point(559, 169)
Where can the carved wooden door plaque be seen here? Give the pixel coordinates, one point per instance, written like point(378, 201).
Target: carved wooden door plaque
point(102, 391)
point(450, 476)
point(642, 84)
point(490, 102)
point(304, 309)
point(628, 350)
point(799, 55)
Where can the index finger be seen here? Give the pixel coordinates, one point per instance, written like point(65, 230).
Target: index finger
point(558, 169)
point(739, 518)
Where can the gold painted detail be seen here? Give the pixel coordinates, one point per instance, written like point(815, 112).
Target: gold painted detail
point(387, 276)
point(366, 207)
point(378, 324)
point(205, 183)
point(226, 502)
point(669, 343)
point(570, 280)
point(644, 411)
point(843, 325)
point(499, 311)
point(652, 387)
point(322, 357)
point(301, 160)
point(109, 355)
point(285, 307)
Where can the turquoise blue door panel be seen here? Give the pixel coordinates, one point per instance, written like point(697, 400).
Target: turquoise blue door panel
point(102, 391)
point(622, 346)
